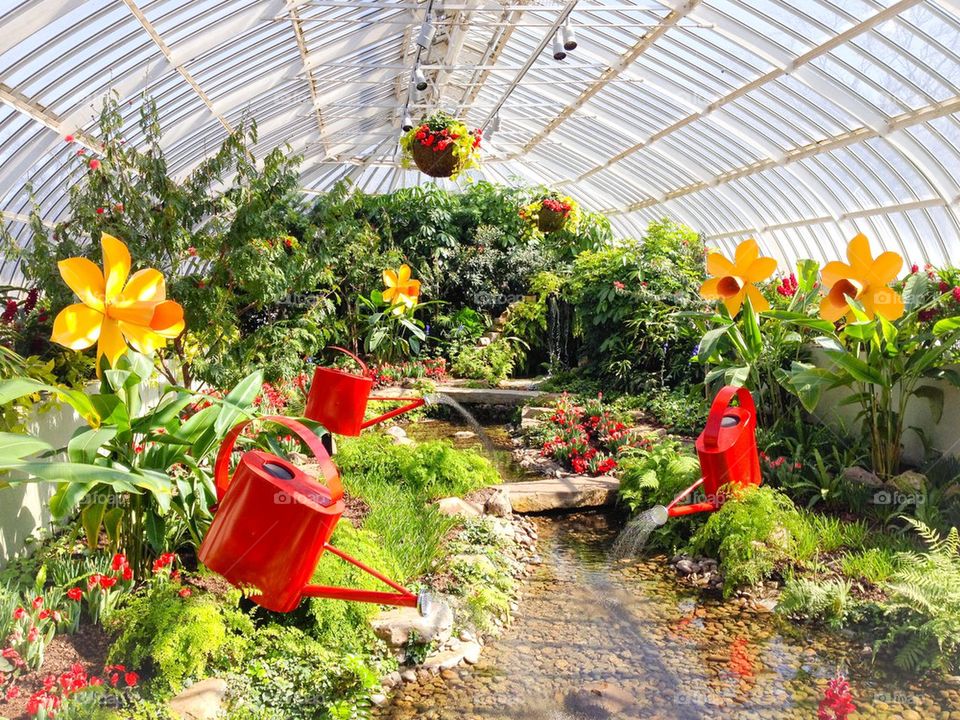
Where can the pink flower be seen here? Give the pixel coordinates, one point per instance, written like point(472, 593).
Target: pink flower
point(185, 592)
point(94, 164)
point(13, 692)
point(617, 285)
point(956, 294)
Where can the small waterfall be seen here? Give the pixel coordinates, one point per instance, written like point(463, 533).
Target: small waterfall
point(553, 333)
point(634, 536)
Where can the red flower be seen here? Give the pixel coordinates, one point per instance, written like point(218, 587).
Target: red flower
point(94, 164)
point(914, 269)
point(192, 251)
point(19, 613)
point(75, 594)
point(788, 286)
point(185, 592)
point(131, 679)
point(69, 138)
point(37, 603)
point(428, 140)
point(944, 287)
point(81, 151)
point(107, 582)
point(33, 634)
point(100, 211)
point(13, 692)
point(617, 285)
point(44, 614)
point(956, 294)
point(93, 581)
point(928, 315)
point(127, 574)
point(119, 562)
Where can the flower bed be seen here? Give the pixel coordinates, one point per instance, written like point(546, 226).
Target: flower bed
point(587, 439)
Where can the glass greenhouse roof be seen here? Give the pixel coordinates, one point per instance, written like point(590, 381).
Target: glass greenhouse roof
point(798, 123)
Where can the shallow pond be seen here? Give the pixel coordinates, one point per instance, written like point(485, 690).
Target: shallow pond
point(493, 441)
point(595, 638)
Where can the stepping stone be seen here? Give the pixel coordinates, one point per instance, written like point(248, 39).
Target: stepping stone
point(565, 493)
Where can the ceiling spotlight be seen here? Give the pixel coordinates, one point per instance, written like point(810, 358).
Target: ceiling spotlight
point(419, 79)
point(558, 52)
point(407, 123)
point(569, 37)
point(427, 31)
point(495, 125)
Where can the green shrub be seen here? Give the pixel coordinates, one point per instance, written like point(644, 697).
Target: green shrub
point(482, 605)
point(828, 601)
point(492, 363)
point(627, 297)
point(173, 639)
point(753, 534)
point(290, 676)
point(437, 469)
point(875, 565)
point(923, 605)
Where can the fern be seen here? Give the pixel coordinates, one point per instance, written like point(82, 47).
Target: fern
point(924, 600)
point(828, 601)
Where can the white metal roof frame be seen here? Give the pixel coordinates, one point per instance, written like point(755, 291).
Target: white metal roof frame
point(798, 123)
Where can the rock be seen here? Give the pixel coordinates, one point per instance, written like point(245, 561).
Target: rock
point(564, 492)
point(395, 626)
point(464, 434)
point(765, 605)
point(457, 507)
point(391, 680)
point(409, 676)
point(483, 341)
point(378, 699)
point(686, 567)
point(910, 482)
point(498, 504)
point(444, 660)
point(200, 701)
point(399, 435)
point(471, 652)
point(860, 476)
point(601, 700)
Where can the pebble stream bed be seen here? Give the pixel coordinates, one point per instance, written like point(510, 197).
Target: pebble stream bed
point(595, 638)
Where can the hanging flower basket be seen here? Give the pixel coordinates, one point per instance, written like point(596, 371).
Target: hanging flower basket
point(435, 163)
point(552, 213)
point(441, 146)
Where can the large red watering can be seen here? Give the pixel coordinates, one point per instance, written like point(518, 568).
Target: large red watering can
point(727, 449)
point(338, 399)
point(274, 522)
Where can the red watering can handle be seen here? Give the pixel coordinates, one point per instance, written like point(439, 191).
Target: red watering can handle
point(221, 469)
point(360, 362)
point(720, 402)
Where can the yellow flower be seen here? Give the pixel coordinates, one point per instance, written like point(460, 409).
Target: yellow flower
point(113, 311)
point(865, 279)
point(400, 288)
point(733, 281)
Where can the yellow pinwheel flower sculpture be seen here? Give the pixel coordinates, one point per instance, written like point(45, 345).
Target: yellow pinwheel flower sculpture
point(401, 289)
point(732, 282)
point(112, 310)
point(865, 280)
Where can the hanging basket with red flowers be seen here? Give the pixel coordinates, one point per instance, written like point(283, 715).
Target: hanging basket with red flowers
point(441, 146)
point(552, 212)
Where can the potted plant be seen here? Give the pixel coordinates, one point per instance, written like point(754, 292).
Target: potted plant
point(552, 212)
point(442, 146)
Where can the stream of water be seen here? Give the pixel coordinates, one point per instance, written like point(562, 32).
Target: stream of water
point(596, 638)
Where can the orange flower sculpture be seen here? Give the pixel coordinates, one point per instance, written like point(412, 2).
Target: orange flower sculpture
point(865, 280)
point(112, 310)
point(401, 289)
point(732, 282)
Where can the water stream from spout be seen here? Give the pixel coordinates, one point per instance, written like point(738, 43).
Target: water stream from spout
point(442, 399)
point(634, 536)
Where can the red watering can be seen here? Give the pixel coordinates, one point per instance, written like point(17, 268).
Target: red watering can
point(338, 400)
point(273, 523)
point(727, 449)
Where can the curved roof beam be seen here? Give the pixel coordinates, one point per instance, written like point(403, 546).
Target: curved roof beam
point(789, 66)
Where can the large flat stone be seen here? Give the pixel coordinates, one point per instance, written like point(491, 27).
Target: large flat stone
point(570, 492)
point(200, 701)
point(476, 396)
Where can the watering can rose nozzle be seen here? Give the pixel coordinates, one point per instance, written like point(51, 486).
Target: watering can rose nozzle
point(658, 514)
